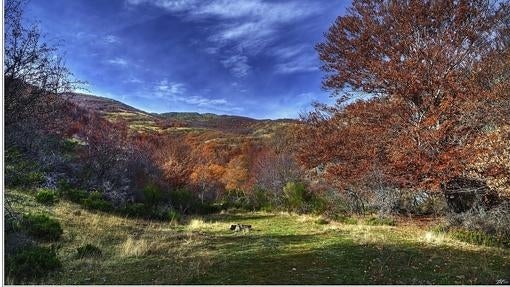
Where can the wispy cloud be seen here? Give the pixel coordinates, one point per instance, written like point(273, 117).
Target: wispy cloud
point(170, 5)
point(295, 59)
point(237, 65)
point(165, 89)
point(177, 92)
point(118, 61)
point(111, 39)
point(133, 80)
point(243, 26)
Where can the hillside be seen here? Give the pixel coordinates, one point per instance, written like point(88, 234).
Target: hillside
point(178, 121)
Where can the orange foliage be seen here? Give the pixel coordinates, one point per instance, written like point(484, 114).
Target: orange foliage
point(432, 76)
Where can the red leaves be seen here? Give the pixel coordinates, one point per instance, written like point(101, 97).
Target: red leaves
point(437, 76)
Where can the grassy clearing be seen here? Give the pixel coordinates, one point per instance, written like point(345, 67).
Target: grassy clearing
point(281, 249)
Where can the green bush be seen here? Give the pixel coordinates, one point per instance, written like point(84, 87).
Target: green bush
point(69, 145)
point(95, 201)
point(317, 204)
point(295, 195)
point(19, 171)
point(46, 196)
point(135, 210)
point(259, 199)
point(76, 195)
point(182, 199)
point(31, 263)
point(380, 221)
point(322, 221)
point(42, 226)
point(152, 194)
point(73, 194)
point(141, 210)
point(479, 238)
point(88, 250)
point(346, 220)
point(174, 216)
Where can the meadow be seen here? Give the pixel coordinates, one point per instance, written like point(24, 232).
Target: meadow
point(282, 248)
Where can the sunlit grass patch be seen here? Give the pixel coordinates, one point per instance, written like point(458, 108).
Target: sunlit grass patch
point(134, 247)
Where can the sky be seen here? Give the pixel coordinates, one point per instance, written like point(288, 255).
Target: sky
point(254, 58)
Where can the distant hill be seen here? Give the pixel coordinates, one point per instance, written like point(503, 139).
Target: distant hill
point(177, 121)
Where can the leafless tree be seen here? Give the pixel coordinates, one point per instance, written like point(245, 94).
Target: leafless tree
point(34, 72)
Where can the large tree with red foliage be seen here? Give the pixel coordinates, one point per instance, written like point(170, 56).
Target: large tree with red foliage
point(429, 68)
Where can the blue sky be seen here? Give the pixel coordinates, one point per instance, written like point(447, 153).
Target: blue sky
point(245, 57)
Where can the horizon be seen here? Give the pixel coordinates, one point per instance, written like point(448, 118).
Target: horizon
point(184, 112)
point(249, 58)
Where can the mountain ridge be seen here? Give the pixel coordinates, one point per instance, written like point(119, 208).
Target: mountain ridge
point(115, 110)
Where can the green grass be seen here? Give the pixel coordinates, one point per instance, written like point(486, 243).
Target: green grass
point(281, 249)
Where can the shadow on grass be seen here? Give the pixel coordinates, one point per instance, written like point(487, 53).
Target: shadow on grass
point(310, 259)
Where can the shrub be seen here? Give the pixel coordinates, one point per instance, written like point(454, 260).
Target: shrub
point(182, 199)
point(317, 204)
point(479, 238)
point(295, 195)
point(347, 220)
point(494, 222)
point(321, 221)
point(335, 203)
point(69, 145)
point(174, 216)
point(380, 221)
point(21, 172)
point(95, 201)
point(141, 210)
point(73, 194)
point(46, 196)
point(151, 194)
point(42, 226)
point(259, 199)
point(88, 250)
point(76, 195)
point(135, 210)
point(419, 202)
point(31, 263)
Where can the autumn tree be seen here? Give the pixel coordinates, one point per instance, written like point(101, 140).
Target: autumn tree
point(208, 178)
point(236, 173)
point(175, 158)
point(428, 59)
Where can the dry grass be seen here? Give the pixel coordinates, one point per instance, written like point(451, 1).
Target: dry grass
point(135, 247)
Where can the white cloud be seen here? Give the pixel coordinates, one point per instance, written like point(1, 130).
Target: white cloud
point(249, 24)
point(176, 92)
point(165, 89)
point(170, 5)
point(211, 50)
point(118, 61)
point(237, 65)
point(201, 101)
point(294, 59)
point(133, 80)
point(111, 39)
point(296, 66)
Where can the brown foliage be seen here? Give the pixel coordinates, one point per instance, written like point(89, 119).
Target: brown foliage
point(433, 71)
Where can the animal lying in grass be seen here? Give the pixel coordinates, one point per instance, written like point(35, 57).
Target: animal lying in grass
point(240, 227)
